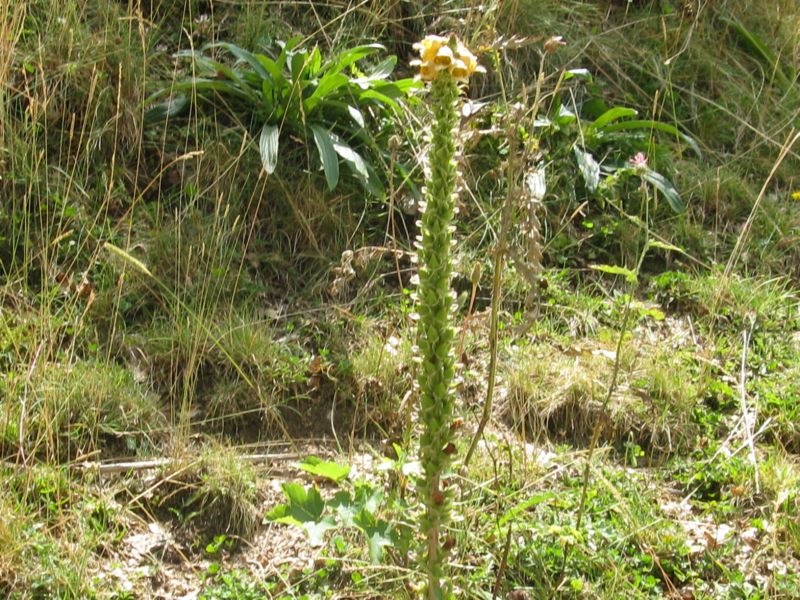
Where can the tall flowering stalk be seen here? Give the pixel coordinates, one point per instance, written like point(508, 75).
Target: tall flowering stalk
point(446, 64)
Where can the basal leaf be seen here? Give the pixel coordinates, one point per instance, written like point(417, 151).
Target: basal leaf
point(327, 85)
point(165, 110)
point(348, 57)
point(268, 147)
point(243, 55)
point(614, 114)
point(356, 115)
point(305, 505)
point(589, 169)
point(531, 502)
point(379, 97)
point(629, 275)
point(324, 468)
point(657, 125)
point(352, 158)
point(383, 69)
point(377, 532)
point(665, 186)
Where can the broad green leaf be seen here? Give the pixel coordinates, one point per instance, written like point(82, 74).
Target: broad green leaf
point(352, 158)
point(614, 114)
point(657, 125)
point(377, 532)
point(579, 73)
point(589, 169)
point(304, 505)
point(200, 85)
point(268, 147)
point(565, 116)
point(665, 186)
point(383, 69)
point(243, 55)
point(344, 507)
point(314, 62)
point(165, 110)
point(664, 246)
point(304, 509)
point(379, 97)
point(629, 275)
point(348, 57)
point(324, 468)
point(356, 115)
point(298, 64)
point(326, 86)
point(316, 530)
point(525, 506)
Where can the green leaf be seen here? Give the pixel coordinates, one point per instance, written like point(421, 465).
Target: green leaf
point(785, 79)
point(348, 57)
point(665, 186)
point(328, 84)
point(268, 147)
point(379, 97)
point(613, 114)
point(165, 110)
point(356, 115)
point(584, 74)
point(524, 506)
point(383, 69)
point(201, 84)
point(345, 508)
point(244, 56)
point(657, 125)
point(316, 531)
point(589, 169)
point(377, 532)
point(629, 275)
point(324, 468)
point(664, 246)
point(304, 504)
point(352, 158)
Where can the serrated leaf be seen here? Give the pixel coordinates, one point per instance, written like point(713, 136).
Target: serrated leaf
point(324, 468)
point(305, 505)
point(629, 275)
point(377, 532)
point(316, 530)
point(589, 169)
point(268, 147)
point(344, 507)
point(665, 186)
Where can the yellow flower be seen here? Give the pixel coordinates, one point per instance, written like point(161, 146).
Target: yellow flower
point(439, 53)
point(796, 195)
point(429, 47)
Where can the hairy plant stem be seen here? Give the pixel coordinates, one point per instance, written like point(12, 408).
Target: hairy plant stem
point(435, 331)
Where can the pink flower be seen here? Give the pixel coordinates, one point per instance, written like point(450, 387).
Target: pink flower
point(639, 161)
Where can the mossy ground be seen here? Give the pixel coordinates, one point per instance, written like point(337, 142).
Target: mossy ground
point(276, 318)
